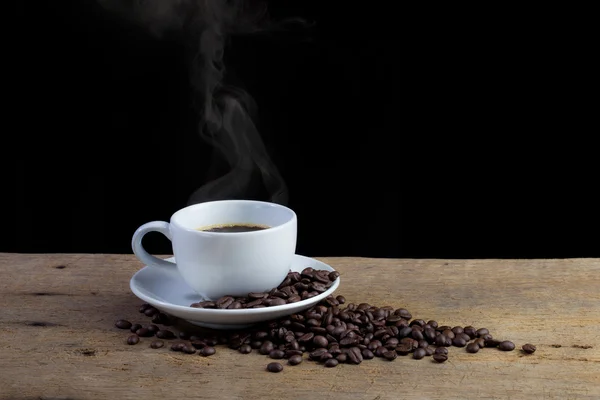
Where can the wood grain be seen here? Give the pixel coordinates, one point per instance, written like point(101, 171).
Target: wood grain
point(58, 340)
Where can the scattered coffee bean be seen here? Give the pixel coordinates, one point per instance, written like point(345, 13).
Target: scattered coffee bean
point(277, 354)
point(472, 347)
point(441, 350)
point(245, 349)
point(177, 346)
point(529, 348)
point(123, 324)
point(207, 351)
point(492, 343)
point(440, 358)
point(157, 344)
point(187, 349)
point(165, 334)
point(480, 342)
point(506, 345)
point(430, 350)
point(390, 355)
point(133, 339)
point(135, 327)
point(295, 359)
point(482, 331)
point(274, 367)
point(419, 353)
point(332, 362)
point(459, 342)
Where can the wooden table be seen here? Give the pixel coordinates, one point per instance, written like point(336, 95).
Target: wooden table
point(58, 340)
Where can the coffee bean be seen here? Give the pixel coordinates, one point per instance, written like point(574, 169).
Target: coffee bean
point(177, 346)
point(153, 328)
point(341, 299)
point(188, 349)
point(266, 347)
point(144, 307)
point(157, 344)
point(419, 353)
point(320, 341)
point(333, 275)
point(492, 343)
point(151, 312)
point(529, 348)
point(135, 327)
point(459, 342)
point(430, 350)
point(480, 342)
point(390, 355)
point(471, 331)
point(472, 348)
point(457, 329)
point(316, 354)
point(207, 351)
point(306, 337)
point(245, 349)
point(123, 324)
point(482, 331)
point(342, 357)
point(133, 339)
point(367, 354)
point(506, 345)
point(443, 340)
point(440, 358)
point(165, 334)
point(143, 332)
point(277, 354)
point(332, 362)
point(441, 350)
point(274, 367)
point(295, 359)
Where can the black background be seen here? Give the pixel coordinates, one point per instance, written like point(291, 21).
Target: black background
point(422, 133)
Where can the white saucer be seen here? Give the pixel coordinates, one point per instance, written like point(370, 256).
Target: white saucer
point(166, 290)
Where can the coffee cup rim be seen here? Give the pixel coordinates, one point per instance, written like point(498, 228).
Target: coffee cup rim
point(292, 218)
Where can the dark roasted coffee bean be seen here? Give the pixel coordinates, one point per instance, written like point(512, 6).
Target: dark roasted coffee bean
point(486, 337)
point(320, 341)
point(162, 319)
point(165, 334)
point(442, 328)
point(354, 355)
point(245, 349)
point(419, 353)
point(390, 355)
point(506, 345)
point(342, 357)
point(440, 358)
point(207, 351)
point(332, 362)
point(529, 348)
point(266, 347)
point(492, 343)
point(380, 350)
point(236, 305)
point(441, 350)
point(316, 354)
point(274, 367)
point(123, 324)
point(482, 331)
point(133, 339)
point(198, 344)
point(188, 349)
point(341, 299)
point(367, 354)
point(333, 275)
point(457, 329)
point(459, 342)
point(143, 332)
point(274, 302)
point(153, 328)
point(177, 346)
point(472, 348)
point(151, 312)
point(403, 349)
point(294, 299)
point(295, 359)
point(144, 307)
point(325, 356)
point(183, 335)
point(308, 337)
point(135, 327)
point(471, 331)
point(404, 332)
point(277, 354)
point(479, 342)
point(290, 353)
point(449, 333)
point(443, 340)
point(429, 334)
point(430, 350)
point(432, 323)
point(423, 343)
point(157, 344)
point(403, 312)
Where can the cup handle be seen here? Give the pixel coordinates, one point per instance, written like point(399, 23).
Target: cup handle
point(141, 253)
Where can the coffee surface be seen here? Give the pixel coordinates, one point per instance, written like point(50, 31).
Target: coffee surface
point(233, 228)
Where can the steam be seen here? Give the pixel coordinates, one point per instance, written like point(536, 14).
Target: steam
point(225, 112)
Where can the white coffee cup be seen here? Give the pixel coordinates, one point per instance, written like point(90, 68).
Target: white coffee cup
point(216, 264)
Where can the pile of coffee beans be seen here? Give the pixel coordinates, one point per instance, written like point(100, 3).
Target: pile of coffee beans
point(295, 287)
point(328, 333)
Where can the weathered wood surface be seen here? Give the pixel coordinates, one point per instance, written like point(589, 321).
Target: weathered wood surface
point(57, 338)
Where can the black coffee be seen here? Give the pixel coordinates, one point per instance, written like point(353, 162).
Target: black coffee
point(232, 228)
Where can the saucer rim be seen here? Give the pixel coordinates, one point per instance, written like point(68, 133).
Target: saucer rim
point(235, 312)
